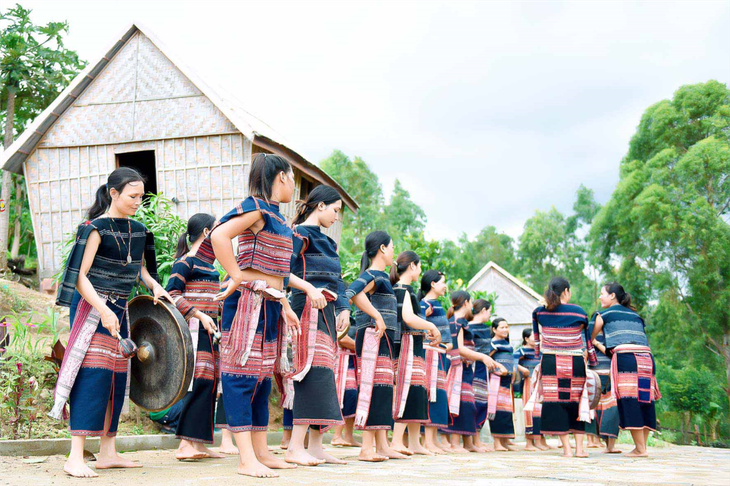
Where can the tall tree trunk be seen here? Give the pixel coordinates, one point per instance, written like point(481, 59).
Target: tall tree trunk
point(7, 182)
point(19, 197)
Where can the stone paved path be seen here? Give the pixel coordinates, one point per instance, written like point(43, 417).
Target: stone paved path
point(671, 465)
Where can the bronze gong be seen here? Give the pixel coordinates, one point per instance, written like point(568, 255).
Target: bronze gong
point(164, 363)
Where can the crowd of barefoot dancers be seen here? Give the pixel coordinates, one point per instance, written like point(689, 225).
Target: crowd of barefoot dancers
point(407, 365)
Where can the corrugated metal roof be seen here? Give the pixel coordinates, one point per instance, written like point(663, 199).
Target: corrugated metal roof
point(250, 126)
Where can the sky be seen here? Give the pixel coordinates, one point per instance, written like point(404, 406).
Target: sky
point(485, 111)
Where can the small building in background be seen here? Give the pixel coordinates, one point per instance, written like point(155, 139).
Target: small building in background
point(515, 299)
point(139, 106)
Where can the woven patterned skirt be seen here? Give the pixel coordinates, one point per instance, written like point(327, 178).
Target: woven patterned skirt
point(102, 378)
point(349, 407)
point(563, 378)
point(465, 423)
point(196, 417)
point(246, 388)
point(380, 414)
point(636, 406)
point(481, 393)
point(503, 424)
point(438, 411)
point(605, 424)
point(315, 396)
point(416, 409)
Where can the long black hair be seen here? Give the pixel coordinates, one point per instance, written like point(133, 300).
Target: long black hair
point(526, 333)
point(480, 305)
point(402, 263)
point(373, 242)
point(320, 194)
point(429, 278)
point(458, 299)
point(623, 297)
point(496, 323)
point(196, 225)
point(119, 178)
point(264, 169)
point(555, 289)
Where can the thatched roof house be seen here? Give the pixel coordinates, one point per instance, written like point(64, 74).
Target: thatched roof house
point(139, 106)
point(515, 300)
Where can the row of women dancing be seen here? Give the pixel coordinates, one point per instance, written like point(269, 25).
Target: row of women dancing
point(407, 365)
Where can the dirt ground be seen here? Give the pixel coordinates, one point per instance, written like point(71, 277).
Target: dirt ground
point(671, 465)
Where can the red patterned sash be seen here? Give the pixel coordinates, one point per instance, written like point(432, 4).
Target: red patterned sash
point(453, 382)
point(368, 361)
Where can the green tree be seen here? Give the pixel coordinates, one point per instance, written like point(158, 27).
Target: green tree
point(403, 217)
point(664, 233)
point(35, 67)
point(488, 245)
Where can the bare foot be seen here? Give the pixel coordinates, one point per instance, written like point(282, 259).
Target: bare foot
point(228, 449)
point(611, 451)
point(541, 447)
point(188, 452)
point(581, 455)
point(636, 453)
point(391, 454)
point(435, 449)
point(352, 442)
point(370, 456)
point(458, 450)
point(284, 445)
point(273, 462)
point(301, 457)
point(324, 456)
point(401, 449)
point(339, 442)
point(531, 448)
point(471, 448)
point(78, 469)
point(115, 462)
point(420, 450)
point(256, 470)
point(512, 447)
point(568, 453)
point(200, 447)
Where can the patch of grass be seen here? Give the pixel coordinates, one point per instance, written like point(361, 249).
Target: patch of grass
point(11, 301)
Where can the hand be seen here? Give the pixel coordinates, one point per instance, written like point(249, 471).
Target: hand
point(434, 336)
point(379, 327)
point(343, 320)
point(110, 322)
point(292, 321)
point(317, 298)
point(231, 286)
point(501, 369)
point(158, 292)
point(207, 322)
point(490, 363)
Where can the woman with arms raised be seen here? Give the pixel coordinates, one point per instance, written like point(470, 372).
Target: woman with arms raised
point(255, 309)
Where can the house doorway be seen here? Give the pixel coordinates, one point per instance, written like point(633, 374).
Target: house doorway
point(144, 163)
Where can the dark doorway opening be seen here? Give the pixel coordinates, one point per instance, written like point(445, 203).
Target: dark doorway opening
point(144, 162)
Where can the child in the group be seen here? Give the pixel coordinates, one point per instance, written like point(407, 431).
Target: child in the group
point(193, 284)
point(501, 424)
point(411, 404)
point(527, 357)
point(433, 287)
point(377, 324)
point(347, 390)
point(459, 381)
